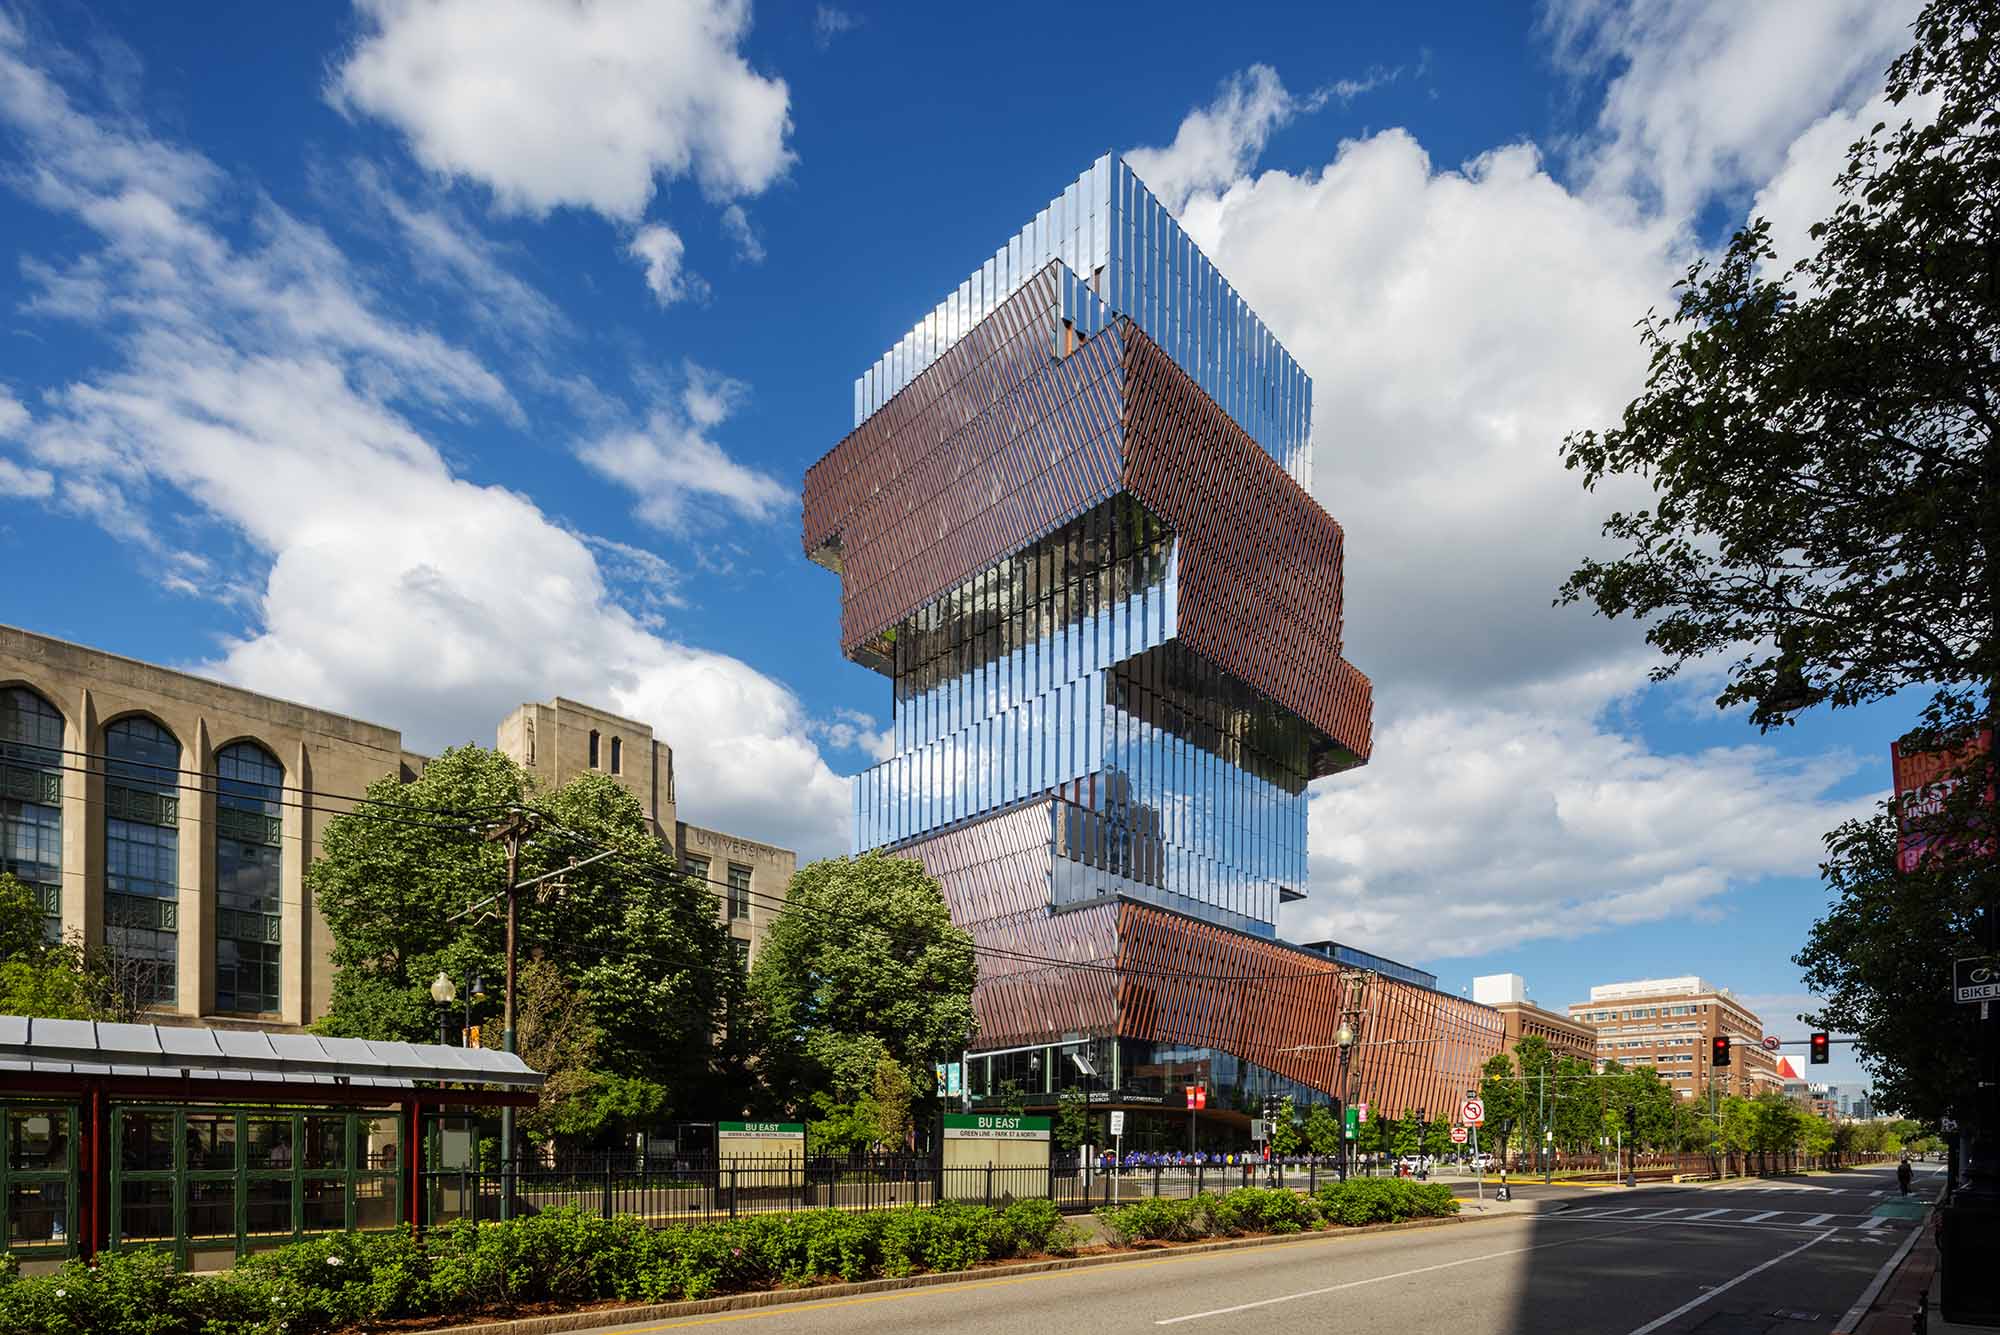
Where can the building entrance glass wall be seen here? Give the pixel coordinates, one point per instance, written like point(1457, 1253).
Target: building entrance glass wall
point(1131, 1071)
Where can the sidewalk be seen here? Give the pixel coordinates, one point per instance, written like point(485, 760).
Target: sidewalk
point(1911, 1282)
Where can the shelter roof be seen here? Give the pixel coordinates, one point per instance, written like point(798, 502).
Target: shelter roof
point(92, 1047)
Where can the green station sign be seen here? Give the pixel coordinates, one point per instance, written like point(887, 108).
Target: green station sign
point(761, 1130)
point(994, 1126)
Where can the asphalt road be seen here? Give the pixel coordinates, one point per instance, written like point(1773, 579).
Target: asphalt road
point(1773, 1258)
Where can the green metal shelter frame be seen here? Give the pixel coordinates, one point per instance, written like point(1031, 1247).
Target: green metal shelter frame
point(212, 1143)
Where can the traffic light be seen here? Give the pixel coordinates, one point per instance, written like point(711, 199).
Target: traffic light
point(1820, 1056)
point(1721, 1048)
point(1631, 1122)
point(1422, 1118)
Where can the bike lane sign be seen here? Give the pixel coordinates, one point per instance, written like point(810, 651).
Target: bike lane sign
point(1975, 980)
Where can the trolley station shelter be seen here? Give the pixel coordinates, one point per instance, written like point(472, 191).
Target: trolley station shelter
point(213, 1142)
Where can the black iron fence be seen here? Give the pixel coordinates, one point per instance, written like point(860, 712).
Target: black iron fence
point(690, 1190)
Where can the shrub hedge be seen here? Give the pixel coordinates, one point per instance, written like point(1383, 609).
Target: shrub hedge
point(567, 1256)
point(1361, 1200)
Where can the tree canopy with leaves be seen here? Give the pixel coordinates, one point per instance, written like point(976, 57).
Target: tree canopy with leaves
point(1881, 961)
point(56, 980)
point(640, 981)
point(862, 963)
point(1823, 441)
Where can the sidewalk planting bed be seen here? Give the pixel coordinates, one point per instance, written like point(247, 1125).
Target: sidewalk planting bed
point(566, 1259)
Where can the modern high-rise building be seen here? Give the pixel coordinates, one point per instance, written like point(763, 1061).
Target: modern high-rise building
point(1072, 528)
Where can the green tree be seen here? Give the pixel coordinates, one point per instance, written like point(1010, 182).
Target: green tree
point(1072, 1124)
point(400, 882)
point(1578, 1109)
point(53, 980)
point(863, 961)
point(1323, 1132)
point(1822, 445)
point(1880, 960)
point(1287, 1135)
point(893, 1094)
point(1505, 1097)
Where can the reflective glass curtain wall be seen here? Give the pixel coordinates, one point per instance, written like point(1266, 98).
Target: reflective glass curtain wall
point(1109, 228)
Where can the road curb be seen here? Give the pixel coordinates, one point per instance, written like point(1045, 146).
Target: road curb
point(559, 1322)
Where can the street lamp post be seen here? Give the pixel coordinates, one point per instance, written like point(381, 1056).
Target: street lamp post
point(443, 992)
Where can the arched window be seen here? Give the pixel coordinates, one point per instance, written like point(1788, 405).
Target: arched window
point(617, 755)
point(593, 748)
point(142, 858)
point(248, 834)
point(31, 770)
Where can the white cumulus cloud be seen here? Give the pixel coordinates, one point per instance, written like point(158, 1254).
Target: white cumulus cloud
point(583, 103)
point(658, 249)
point(673, 458)
point(1458, 320)
point(266, 389)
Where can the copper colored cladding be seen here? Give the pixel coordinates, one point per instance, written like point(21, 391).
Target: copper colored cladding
point(995, 874)
point(1260, 575)
point(1187, 981)
point(1176, 979)
point(995, 444)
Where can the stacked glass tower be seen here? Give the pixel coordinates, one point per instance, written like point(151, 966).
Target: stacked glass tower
point(1073, 530)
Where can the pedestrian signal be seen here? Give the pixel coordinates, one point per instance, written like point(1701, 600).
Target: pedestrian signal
point(1820, 1055)
point(1721, 1047)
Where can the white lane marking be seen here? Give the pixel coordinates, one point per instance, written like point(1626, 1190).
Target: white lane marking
point(1856, 1313)
point(1874, 1223)
point(1707, 1214)
point(1818, 1219)
point(1662, 1214)
point(1768, 1214)
point(1361, 1283)
point(1606, 1214)
point(1693, 1303)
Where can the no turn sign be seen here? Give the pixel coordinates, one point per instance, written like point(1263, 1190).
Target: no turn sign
point(1472, 1113)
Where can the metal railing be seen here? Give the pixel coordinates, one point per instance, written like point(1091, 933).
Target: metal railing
point(691, 1191)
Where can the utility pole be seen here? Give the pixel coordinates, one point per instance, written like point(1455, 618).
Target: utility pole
point(512, 830)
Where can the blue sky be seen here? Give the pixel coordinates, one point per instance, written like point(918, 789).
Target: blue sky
point(422, 357)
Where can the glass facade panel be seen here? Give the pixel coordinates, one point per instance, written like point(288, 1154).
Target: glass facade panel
point(375, 1202)
point(37, 1213)
point(142, 857)
point(211, 1141)
point(267, 1205)
point(326, 1142)
point(324, 1207)
point(1121, 245)
point(146, 1211)
point(248, 872)
point(32, 766)
point(37, 1140)
point(268, 1143)
point(211, 1208)
point(739, 890)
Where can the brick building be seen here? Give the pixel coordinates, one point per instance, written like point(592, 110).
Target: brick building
point(1670, 1024)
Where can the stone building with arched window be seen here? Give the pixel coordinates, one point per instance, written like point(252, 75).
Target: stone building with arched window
point(169, 817)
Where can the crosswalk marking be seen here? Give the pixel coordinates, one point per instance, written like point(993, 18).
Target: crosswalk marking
point(1876, 1222)
point(1623, 1209)
point(1768, 1214)
point(1818, 1219)
point(1708, 1214)
point(1662, 1214)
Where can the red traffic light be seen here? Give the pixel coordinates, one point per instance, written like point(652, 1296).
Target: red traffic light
point(1821, 1053)
point(1720, 1048)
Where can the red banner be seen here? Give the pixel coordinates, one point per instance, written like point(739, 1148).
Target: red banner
point(1924, 782)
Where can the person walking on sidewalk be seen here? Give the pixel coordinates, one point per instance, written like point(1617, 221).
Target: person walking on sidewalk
point(1903, 1174)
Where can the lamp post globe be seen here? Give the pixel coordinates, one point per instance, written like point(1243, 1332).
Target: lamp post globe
point(443, 991)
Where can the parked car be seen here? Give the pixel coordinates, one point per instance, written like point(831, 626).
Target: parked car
point(1481, 1162)
point(1410, 1163)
